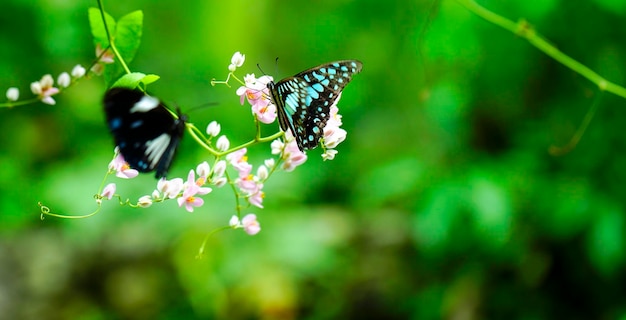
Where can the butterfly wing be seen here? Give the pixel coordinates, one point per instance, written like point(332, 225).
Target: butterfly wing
point(144, 130)
point(304, 100)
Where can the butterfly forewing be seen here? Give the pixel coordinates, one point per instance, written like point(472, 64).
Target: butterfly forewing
point(144, 130)
point(304, 100)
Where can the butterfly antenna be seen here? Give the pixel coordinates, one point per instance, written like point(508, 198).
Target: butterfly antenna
point(259, 66)
point(276, 65)
point(204, 105)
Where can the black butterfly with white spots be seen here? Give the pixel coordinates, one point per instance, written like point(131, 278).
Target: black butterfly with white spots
point(304, 100)
point(145, 131)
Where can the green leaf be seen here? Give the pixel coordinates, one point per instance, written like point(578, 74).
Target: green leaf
point(97, 27)
point(128, 35)
point(127, 38)
point(131, 80)
point(150, 78)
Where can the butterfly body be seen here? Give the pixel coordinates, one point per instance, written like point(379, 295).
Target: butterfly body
point(304, 100)
point(146, 133)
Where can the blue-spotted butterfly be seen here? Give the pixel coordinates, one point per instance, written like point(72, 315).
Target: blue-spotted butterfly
point(304, 100)
point(146, 133)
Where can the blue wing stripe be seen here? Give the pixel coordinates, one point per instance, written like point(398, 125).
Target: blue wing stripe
point(304, 100)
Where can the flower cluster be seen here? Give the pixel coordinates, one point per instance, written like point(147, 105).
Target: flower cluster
point(249, 224)
point(44, 89)
point(250, 185)
point(186, 193)
point(289, 152)
point(256, 92)
point(333, 133)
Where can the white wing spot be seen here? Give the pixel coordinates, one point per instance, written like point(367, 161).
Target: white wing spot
point(146, 104)
point(156, 147)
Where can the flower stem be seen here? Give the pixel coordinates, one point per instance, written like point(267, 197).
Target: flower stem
point(111, 44)
point(523, 29)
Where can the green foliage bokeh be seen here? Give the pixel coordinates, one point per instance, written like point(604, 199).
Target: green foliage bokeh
point(443, 202)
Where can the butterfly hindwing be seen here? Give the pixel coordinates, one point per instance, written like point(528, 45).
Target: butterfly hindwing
point(304, 100)
point(146, 133)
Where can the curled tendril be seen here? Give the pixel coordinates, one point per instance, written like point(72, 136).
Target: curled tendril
point(225, 82)
point(45, 211)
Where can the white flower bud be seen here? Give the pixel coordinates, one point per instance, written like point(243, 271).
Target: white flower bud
point(238, 59)
point(213, 129)
point(64, 80)
point(78, 71)
point(13, 94)
point(222, 143)
point(145, 201)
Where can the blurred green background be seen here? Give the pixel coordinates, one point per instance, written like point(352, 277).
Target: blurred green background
point(442, 203)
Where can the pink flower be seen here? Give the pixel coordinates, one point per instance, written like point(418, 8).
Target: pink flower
point(250, 224)
point(257, 198)
point(122, 168)
point(246, 183)
point(191, 179)
point(45, 89)
point(292, 156)
point(251, 186)
point(254, 94)
point(290, 153)
point(257, 94)
point(266, 113)
point(105, 57)
point(189, 199)
point(333, 134)
point(108, 191)
point(170, 188)
point(239, 161)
